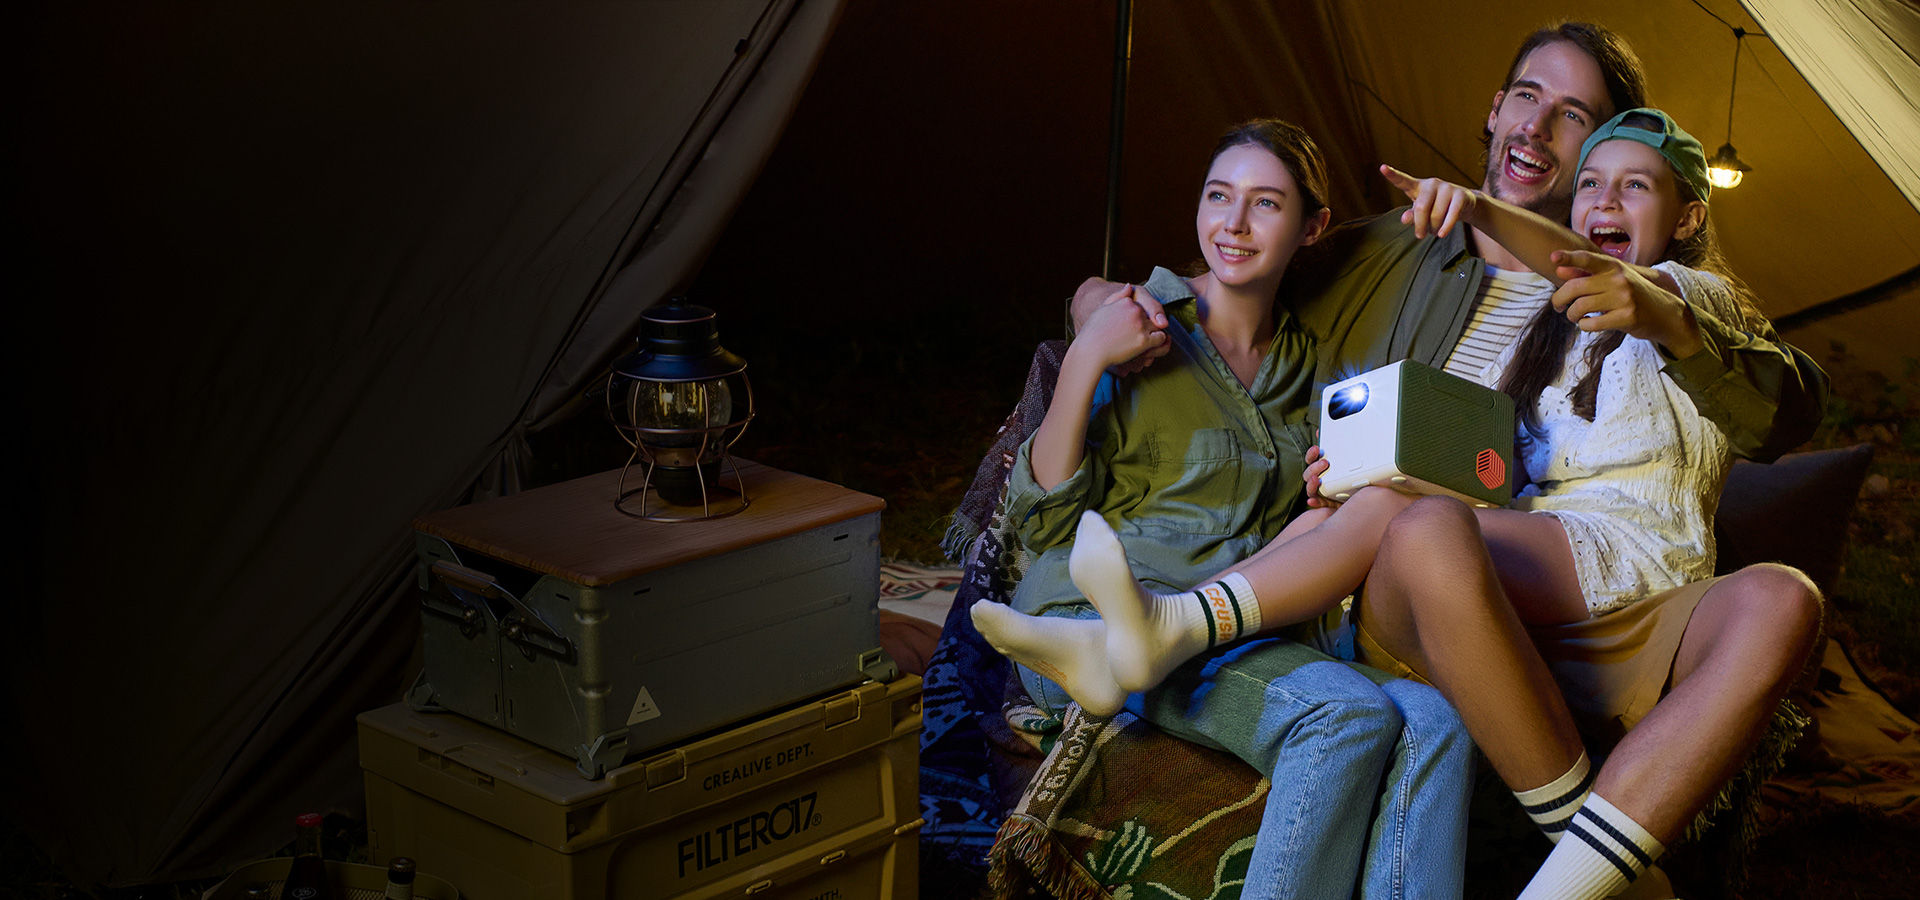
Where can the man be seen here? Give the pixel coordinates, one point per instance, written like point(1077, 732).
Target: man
point(1433, 605)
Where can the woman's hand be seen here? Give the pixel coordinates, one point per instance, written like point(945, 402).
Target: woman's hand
point(1437, 205)
point(1317, 466)
point(1602, 293)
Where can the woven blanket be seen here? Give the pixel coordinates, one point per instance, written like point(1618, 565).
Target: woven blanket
point(973, 766)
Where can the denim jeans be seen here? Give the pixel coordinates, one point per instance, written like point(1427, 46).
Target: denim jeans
point(1326, 733)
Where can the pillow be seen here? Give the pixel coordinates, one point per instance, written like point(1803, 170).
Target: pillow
point(1792, 511)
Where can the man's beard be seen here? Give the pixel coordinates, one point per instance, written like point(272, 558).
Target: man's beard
point(1554, 206)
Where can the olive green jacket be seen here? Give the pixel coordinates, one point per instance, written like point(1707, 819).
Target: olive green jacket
point(1193, 471)
point(1372, 294)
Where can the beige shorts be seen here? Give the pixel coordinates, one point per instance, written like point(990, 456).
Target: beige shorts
point(1611, 669)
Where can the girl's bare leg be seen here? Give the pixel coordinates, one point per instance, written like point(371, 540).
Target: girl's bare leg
point(1319, 559)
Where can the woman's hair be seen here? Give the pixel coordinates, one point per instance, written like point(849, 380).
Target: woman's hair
point(1295, 150)
point(1543, 351)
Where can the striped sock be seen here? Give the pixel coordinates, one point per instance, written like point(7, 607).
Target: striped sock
point(1603, 853)
point(1150, 634)
point(1231, 610)
point(1553, 804)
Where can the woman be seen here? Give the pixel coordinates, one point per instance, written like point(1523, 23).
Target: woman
point(1196, 462)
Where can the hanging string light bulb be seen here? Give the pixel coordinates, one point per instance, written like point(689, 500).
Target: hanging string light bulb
point(1725, 169)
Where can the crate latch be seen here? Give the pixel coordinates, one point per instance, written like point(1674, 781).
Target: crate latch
point(841, 710)
point(877, 665)
point(665, 769)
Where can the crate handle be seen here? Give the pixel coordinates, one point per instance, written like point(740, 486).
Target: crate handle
point(452, 604)
point(524, 627)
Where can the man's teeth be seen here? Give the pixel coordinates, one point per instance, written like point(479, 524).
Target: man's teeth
point(1527, 159)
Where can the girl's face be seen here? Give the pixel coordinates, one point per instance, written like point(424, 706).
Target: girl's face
point(1627, 201)
point(1252, 217)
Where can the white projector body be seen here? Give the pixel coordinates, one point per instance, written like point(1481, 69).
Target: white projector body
point(1416, 429)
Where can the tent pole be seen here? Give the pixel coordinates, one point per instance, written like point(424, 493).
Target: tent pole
point(1122, 63)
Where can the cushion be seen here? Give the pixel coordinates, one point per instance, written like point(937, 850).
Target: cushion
point(1792, 511)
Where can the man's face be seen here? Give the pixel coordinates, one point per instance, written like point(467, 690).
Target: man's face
point(1557, 98)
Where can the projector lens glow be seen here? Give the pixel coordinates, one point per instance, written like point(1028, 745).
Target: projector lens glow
point(1347, 401)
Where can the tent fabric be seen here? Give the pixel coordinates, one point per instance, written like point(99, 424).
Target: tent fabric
point(1859, 56)
point(300, 274)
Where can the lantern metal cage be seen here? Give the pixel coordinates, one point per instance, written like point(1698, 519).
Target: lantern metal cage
point(680, 401)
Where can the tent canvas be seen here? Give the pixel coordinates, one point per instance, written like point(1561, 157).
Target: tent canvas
point(297, 275)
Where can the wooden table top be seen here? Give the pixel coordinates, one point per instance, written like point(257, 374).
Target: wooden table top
point(572, 530)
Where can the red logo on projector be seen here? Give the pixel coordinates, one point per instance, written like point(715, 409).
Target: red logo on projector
point(1491, 468)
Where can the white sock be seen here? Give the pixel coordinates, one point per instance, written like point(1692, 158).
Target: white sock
point(1149, 634)
point(1603, 853)
point(1553, 804)
point(1071, 652)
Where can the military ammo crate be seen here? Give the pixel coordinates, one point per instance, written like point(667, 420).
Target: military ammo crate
point(552, 615)
point(820, 800)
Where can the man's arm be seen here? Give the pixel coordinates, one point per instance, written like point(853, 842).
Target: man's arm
point(1095, 292)
point(1765, 394)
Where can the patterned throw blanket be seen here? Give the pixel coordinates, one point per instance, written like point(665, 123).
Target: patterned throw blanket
point(973, 766)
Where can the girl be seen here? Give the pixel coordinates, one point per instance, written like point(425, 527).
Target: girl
point(1196, 462)
point(1625, 472)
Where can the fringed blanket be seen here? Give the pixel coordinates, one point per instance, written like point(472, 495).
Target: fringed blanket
point(1117, 803)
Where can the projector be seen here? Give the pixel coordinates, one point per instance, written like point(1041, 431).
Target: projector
point(1416, 429)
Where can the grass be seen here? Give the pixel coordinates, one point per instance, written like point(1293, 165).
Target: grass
point(1874, 601)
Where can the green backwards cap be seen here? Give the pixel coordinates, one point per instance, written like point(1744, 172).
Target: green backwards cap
point(1657, 130)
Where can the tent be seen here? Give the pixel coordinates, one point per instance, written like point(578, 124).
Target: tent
point(297, 275)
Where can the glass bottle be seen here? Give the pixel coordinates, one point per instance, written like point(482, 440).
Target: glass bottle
point(307, 880)
point(400, 878)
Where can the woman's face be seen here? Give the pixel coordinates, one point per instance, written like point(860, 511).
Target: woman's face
point(1252, 217)
point(1627, 201)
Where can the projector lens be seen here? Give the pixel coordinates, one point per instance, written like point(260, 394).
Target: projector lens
point(1347, 401)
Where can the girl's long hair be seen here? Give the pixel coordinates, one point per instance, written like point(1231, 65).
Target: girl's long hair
point(1543, 351)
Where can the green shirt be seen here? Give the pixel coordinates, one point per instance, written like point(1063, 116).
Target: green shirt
point(1371, 294)
point(1193, 471)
